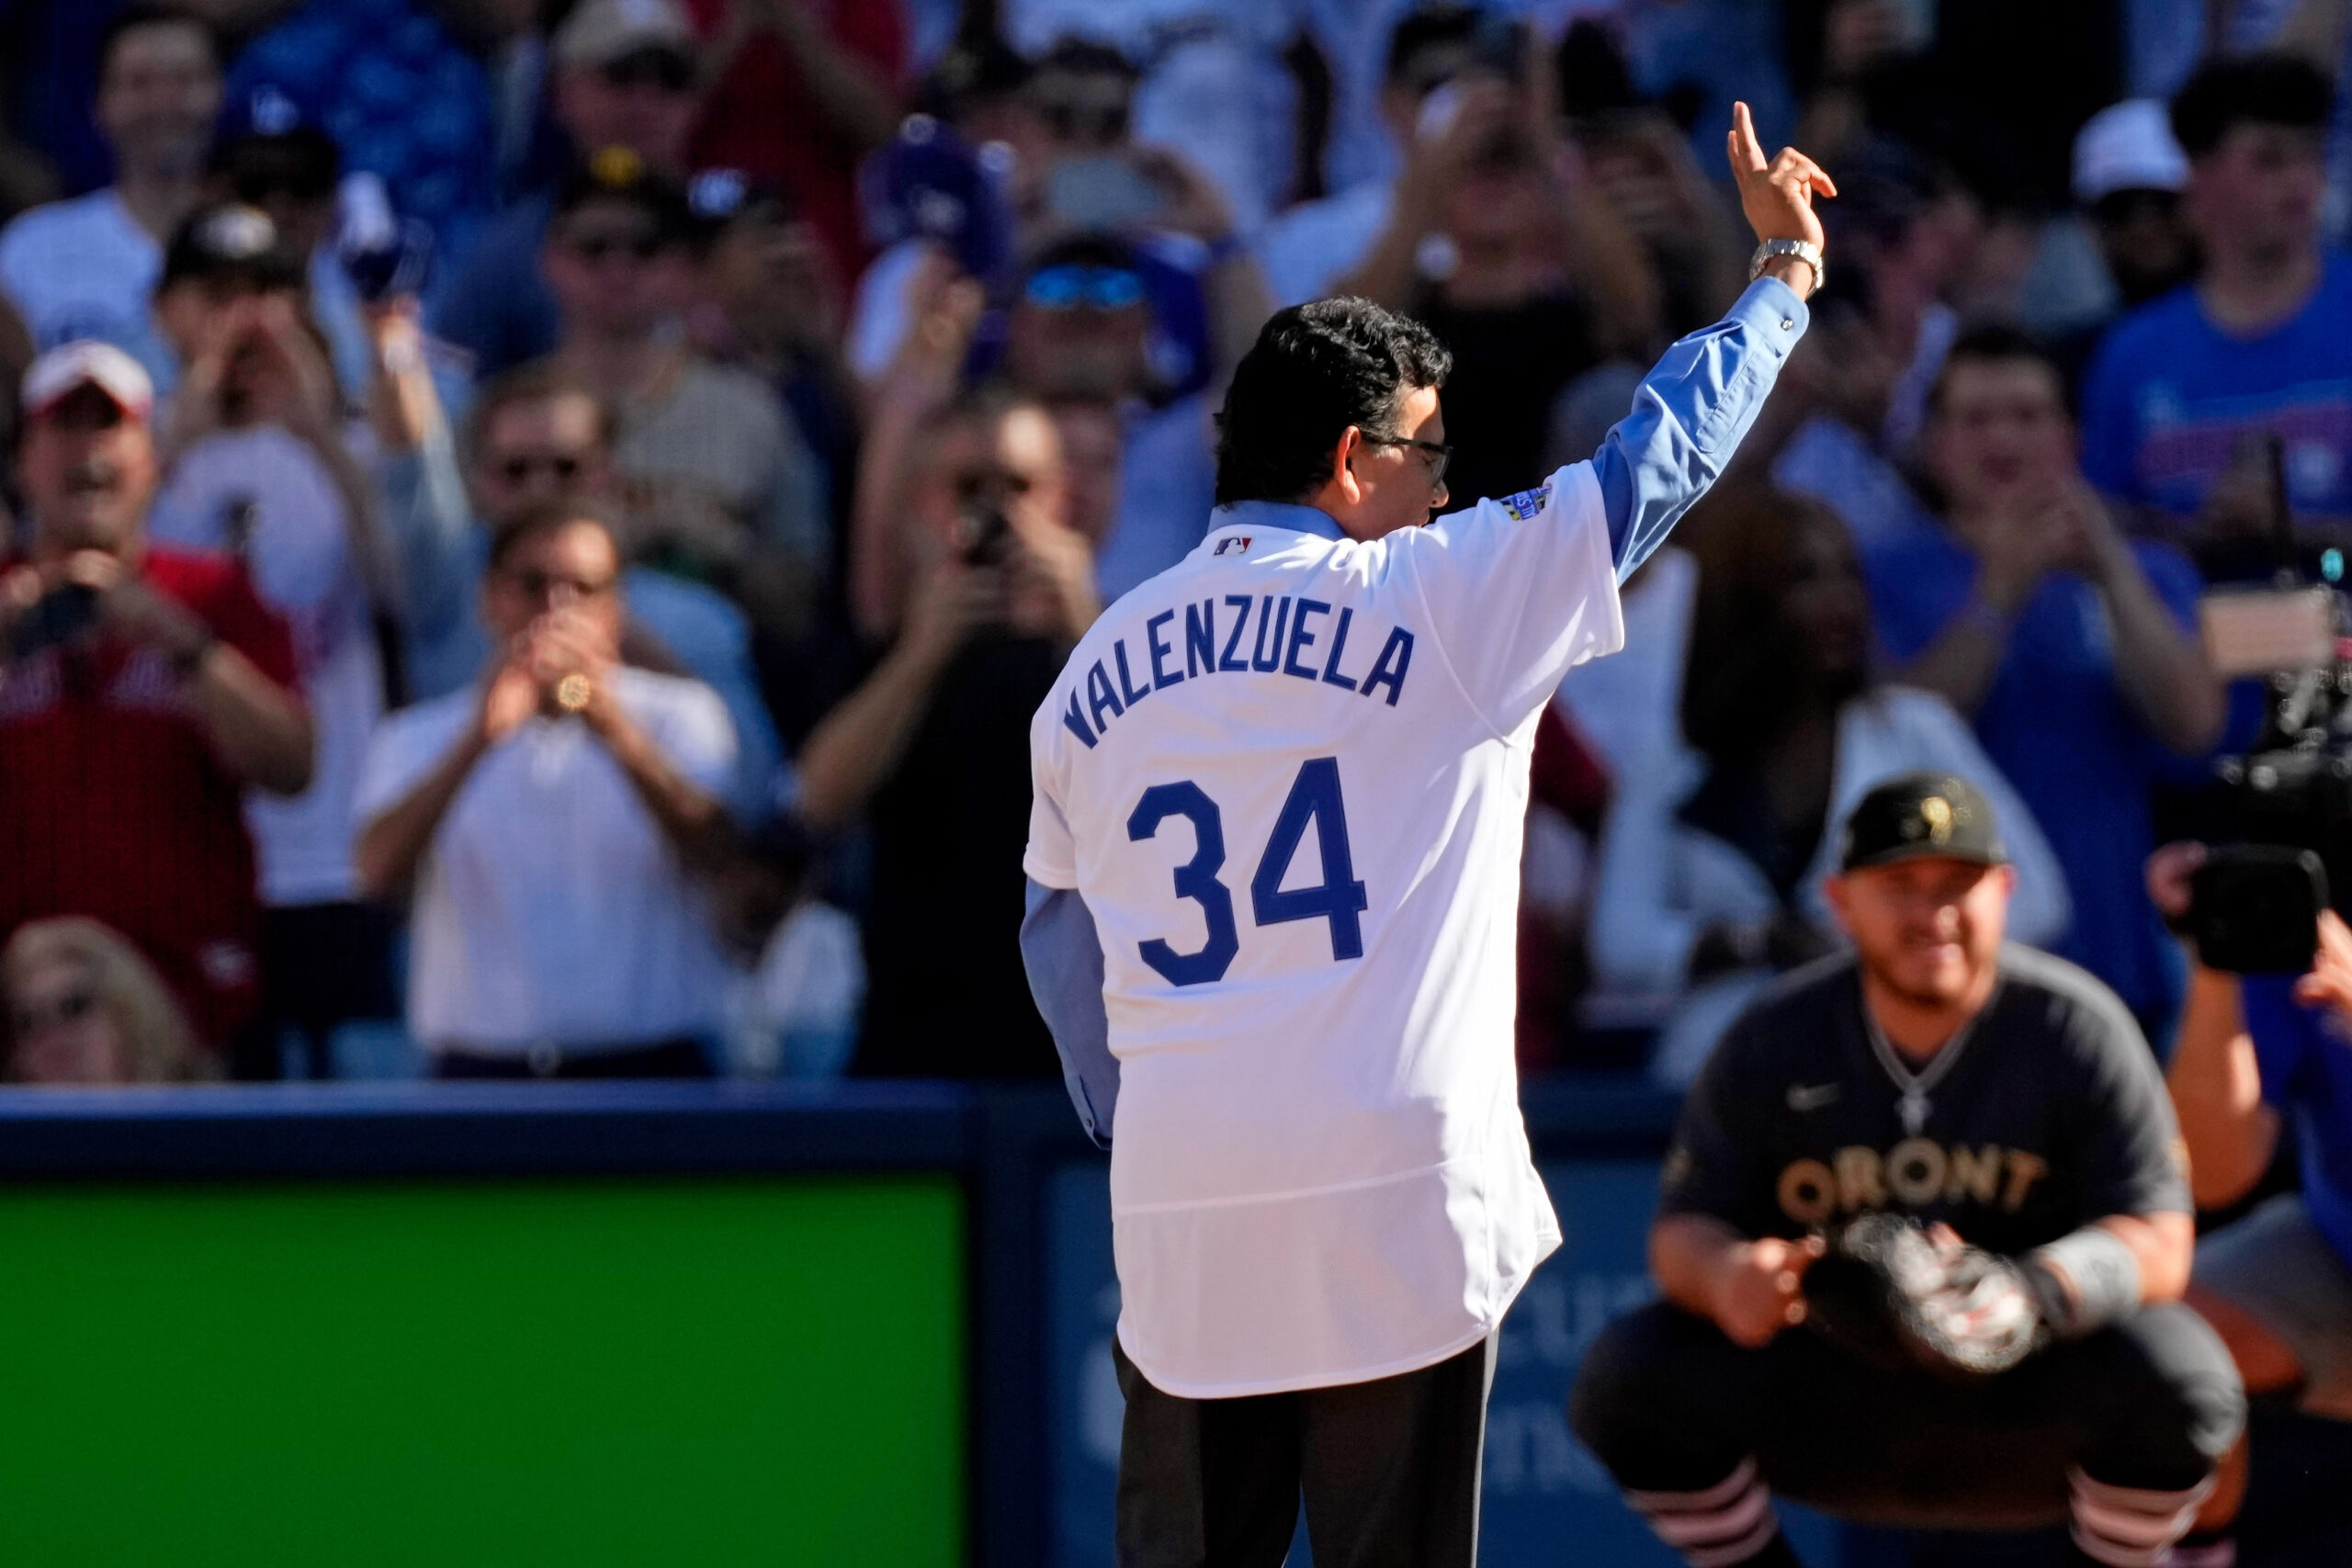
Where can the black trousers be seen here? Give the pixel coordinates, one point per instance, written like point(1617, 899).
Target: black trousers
point(1389, 1470)
point(1670, 1405)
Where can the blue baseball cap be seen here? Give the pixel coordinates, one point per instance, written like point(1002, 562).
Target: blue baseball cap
point(928, 183)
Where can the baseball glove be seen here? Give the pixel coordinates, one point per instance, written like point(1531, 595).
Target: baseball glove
point(1890, 1292)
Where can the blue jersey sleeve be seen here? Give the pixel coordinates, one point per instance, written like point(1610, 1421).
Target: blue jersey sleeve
point(1063, 956)
point(1688, 416)
point(2284, 1033)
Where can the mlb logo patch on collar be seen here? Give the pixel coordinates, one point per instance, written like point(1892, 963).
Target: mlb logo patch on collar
point(1231, 545)
point(1523, 506)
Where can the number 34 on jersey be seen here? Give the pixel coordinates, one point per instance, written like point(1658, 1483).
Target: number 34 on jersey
point(1315, 801)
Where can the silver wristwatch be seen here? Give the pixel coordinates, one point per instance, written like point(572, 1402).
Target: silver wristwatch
point(1804, 251)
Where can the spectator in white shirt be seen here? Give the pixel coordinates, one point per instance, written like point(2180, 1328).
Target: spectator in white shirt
point(554, 823)
point(84, 268)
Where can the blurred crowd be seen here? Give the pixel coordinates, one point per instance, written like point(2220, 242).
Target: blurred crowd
point(536, 529)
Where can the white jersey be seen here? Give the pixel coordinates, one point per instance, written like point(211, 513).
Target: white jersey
point(1288, 776)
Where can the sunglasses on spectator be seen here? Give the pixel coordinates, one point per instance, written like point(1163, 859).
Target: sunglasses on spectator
point(651, 68)
point(1438, 453)
point(522, 467)
point(641, 244)
point(70, 1008)
point(1098, 288)
point(535, 584)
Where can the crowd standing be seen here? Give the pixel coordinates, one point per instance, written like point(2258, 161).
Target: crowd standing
point(535, 528)
point(561, 480)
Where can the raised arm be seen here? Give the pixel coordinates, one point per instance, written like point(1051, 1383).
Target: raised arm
point(260, 730)
point(1692, 409)
point(855, 749)
point(394, 840)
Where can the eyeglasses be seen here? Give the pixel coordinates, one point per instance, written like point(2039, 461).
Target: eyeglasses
point(73, 1006)
point(522, 467)
point(1068, 287)
point(643, 245)
point(1439, 453)
point(532, 584)
point(650, 68)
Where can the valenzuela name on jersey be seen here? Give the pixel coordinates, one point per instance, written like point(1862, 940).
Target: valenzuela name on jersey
point(1298, 636)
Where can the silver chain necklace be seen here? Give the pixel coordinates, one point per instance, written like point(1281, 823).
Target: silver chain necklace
point(1914, 1104)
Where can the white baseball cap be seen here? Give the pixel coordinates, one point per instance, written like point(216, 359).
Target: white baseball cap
point(601, 31)
point(87, 363)
point(2128, 146)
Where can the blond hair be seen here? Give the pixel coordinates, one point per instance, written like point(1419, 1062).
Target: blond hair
point(158, 1045)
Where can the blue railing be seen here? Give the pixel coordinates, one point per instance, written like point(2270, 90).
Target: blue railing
point(1040, 1285)
point(1034, 1188)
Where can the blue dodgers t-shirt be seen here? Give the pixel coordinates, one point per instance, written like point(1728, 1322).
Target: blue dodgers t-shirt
point(2170, 397)
point(2058, 725)
point(2305, 1054)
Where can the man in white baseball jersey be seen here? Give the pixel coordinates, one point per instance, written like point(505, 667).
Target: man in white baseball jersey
point(1274, 862)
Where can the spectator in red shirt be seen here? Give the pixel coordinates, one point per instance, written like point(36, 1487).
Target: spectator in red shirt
point(799, 91)
point(141, 691)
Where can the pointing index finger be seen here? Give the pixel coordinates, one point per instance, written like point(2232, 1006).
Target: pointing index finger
point(1747, 152)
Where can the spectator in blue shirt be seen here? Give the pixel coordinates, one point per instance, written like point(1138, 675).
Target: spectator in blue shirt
point(2185, 391)
point(2071, 648)
point(84, 268)
point(2256, 1055)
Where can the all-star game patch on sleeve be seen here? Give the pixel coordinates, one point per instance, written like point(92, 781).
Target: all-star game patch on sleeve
point(1523, 506)
point(1518, 591)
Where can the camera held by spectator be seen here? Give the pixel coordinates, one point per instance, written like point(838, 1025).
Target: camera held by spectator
point(169, 662)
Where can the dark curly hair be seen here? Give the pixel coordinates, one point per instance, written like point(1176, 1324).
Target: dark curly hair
point(1316, 370)
point(2258, 89)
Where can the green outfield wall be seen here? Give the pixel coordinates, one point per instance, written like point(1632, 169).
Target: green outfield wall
point(575, 1373)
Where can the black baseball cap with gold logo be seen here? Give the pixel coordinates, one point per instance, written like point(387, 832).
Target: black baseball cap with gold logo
point(1921, 814)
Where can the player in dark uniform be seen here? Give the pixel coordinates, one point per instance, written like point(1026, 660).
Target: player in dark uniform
point(1935, 1072)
